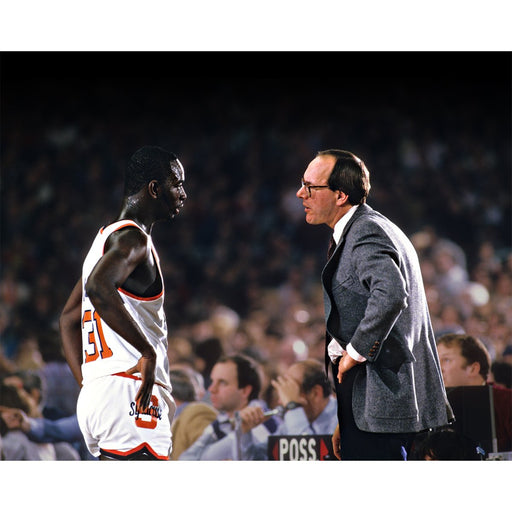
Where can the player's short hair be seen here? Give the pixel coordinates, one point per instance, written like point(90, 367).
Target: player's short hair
point(146, 164)
point(349, 175)
point(472, 350)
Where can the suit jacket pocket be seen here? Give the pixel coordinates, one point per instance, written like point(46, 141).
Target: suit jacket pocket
point(348, 281)
point(388, 393)
point(393, 354)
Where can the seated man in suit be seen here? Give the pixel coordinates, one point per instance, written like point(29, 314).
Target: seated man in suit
point(309, 406)
point(192, 415)
point(234, 392)
point(465, 361)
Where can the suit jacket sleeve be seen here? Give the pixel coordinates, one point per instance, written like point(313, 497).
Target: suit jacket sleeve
point(377, 267)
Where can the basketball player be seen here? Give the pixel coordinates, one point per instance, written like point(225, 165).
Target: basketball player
point(113, 326)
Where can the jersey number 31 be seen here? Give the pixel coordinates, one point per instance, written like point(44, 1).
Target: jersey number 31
point(96, 338)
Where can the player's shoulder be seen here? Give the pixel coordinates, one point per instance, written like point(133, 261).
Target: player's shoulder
point(125, 233)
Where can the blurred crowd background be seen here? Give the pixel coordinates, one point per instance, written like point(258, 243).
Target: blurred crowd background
point(241, 266)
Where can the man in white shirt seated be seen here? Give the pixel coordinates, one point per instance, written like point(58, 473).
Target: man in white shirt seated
point(308, 401)
point(234, 392)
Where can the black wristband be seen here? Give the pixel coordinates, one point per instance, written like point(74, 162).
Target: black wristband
point(292, 405)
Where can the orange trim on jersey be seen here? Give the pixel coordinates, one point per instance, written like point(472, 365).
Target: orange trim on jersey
point(127, 375)
point(133, 296)
point(128, 223)
point(134, 377)
point(136, 449)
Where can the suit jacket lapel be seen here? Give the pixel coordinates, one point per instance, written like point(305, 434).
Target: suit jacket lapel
point(330, 268)
point(362, 209)
point(331, 265)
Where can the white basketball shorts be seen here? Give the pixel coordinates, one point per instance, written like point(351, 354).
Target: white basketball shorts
point(113, 426)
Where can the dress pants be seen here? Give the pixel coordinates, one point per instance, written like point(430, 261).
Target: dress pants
point(357, 444)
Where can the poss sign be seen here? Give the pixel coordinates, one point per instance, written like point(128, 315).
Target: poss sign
point(300, 448)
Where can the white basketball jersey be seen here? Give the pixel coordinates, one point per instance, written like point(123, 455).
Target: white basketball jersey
point(104, 351)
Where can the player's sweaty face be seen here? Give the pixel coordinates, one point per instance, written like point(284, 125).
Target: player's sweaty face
point(175, 194)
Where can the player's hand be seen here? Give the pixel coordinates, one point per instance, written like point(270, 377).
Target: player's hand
point(336, 442)
point(146, 367)
point(251, 417)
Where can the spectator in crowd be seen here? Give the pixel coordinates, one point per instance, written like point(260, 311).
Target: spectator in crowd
point(46, 423)
point(507, 354)
point(51, 403)
point(501, 372)
point(444, 444)
point(234, 391)
point(31, 383)
point(60, 387)
point(16, 445)
point(308, 400)
point(308, 403)
point(465, 361)
point(193, 375)
point(192, 416)
point(207, 352)
point(61, 432)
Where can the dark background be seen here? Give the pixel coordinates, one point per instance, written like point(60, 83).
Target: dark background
point(433, 128)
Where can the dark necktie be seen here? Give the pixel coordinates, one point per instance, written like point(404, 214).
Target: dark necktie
point(332, 246)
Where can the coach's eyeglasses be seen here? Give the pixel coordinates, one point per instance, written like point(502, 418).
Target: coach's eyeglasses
point(309, 187)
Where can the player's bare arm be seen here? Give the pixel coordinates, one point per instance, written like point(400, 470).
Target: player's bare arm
point(127, 249)
point(70, 331)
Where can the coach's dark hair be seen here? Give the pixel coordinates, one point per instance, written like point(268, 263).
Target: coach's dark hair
point(314, 373)
point(248, 373)
point(146, 164)
point(349, 175)
point(472, 350)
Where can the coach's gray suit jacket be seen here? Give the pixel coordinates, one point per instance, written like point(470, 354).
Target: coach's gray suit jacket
point(374, 298)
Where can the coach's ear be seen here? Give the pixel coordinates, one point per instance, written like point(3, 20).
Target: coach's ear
point(153, 189)
point(341, 198)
